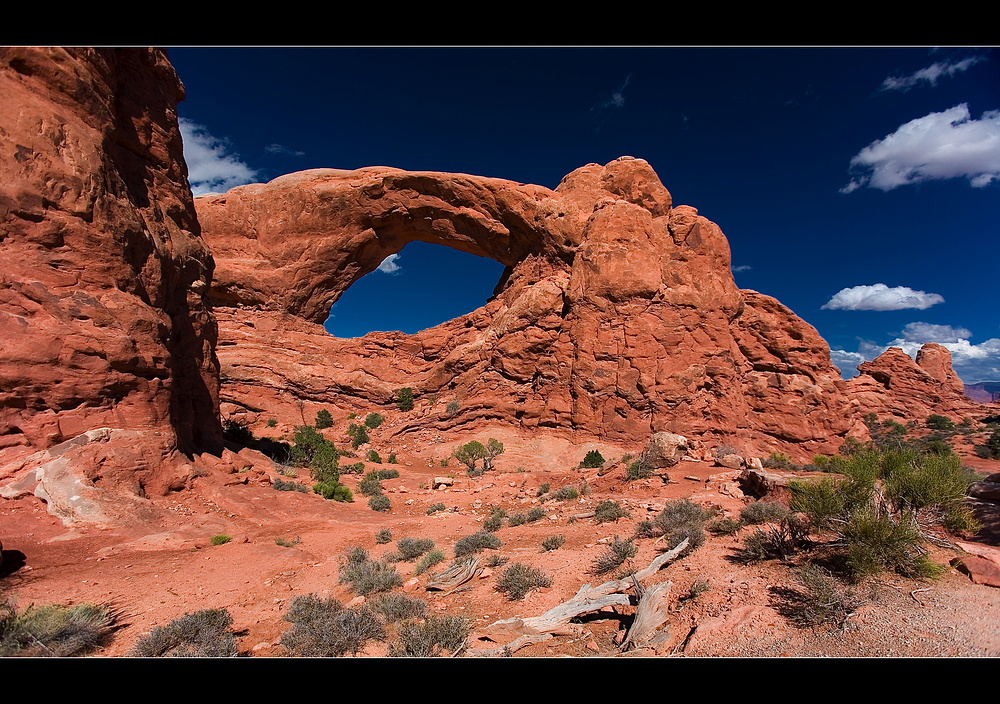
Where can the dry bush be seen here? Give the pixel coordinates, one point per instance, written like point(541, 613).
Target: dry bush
point(202, 634)
point(519, 579)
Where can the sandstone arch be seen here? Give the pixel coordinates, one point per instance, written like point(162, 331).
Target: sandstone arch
point(617, 314)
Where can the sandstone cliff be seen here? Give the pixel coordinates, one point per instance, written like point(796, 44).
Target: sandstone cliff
point(103, 315)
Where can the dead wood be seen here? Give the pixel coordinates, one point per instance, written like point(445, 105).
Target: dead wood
point(455, 576)
point(651, 613)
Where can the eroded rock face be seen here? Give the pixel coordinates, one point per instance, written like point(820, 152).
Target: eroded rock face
point(893, 385)
point(103, 318)
point(617, 316)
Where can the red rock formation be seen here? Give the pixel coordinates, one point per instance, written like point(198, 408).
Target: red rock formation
point(617, 315)
point(103, 319)
point(895, 386)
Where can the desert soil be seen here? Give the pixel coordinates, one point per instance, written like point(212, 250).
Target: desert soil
point(157, 573)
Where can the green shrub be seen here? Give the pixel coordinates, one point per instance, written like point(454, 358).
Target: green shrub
point(55, 631)
point(543, 489)
point(517, 519)
point(221, 539)
point(877, 541)
point(272, 422)
point(334, 491)
point(679, 519)
point(535, 514)
point(477, 542)
point(990, 450)
point(566, 493)
point(323, 628)
point(380, 503)
point(370, 485)
point(237, 431)
point(763, 512)
point(375, 457)
point(519, 579)
point(638, 470)
point(436, 636)
point(593, 460)
point(281, 485)
point(553, 542)
point(374, 420)
point(412, 548)
point(608, 511)
point(496, 560)
point(386, 473)
point(493, 523)
point(324, 420)
point(404, 399)
point(614, 556)
point(779, 460)
point(202, 634)
point(398, 607)
point(384, 536)
point(429, 560)
point(358, 435)
point(936, 422)
point(392, 458)
point(436, 508)
point(367, 576)
point(724, 526)
point(820, 601)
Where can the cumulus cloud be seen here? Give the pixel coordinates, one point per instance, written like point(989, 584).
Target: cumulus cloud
point(389, 265)
point(741, 267)
point(928, 332)
point(281, 149)
point(211, 166)
point(881, 297)
point(941, 145)
point(931, 74)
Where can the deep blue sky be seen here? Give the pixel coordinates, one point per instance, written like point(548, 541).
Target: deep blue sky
point(761, 141)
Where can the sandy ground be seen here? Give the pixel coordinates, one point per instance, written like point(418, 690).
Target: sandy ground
point(171, 568)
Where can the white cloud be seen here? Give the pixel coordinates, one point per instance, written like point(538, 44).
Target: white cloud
point(881, 297)
point(930, 74)
point(281, 149)
point(389, 265)
point(938, 146)
point(928, 332)
point(847, 362)
point(741, 267)
point(211, 168)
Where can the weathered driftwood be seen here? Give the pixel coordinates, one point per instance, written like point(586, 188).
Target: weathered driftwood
point(588, 599)
point(650, 615)
point(455, 576)
point(512, 647)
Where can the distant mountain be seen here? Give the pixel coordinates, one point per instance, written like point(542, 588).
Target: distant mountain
point(984, 391)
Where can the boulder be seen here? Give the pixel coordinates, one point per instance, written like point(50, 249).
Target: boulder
point(664, 450)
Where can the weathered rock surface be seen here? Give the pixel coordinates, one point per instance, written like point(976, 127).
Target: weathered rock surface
point(893, 385)
point(103, 315)
point(617, 315)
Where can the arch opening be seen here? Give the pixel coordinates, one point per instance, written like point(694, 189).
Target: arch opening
point(421, 286)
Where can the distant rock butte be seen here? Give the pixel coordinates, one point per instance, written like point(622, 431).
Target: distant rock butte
point(617, 315)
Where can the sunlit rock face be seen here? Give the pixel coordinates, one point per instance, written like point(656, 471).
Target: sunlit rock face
point(617, 314)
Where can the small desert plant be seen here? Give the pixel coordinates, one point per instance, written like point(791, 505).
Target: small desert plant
point(496, 560)
point(724, 526)
point(55, 631)
point(535, 514)
point(452, 408)
point(436, 508)
point(679, 519)
point(990, 450)
point(412, 548)
point(615, 554)
point(384, 536)
point(936, 422)
point(636, 470)
point(566, 493)
point(477, 542)
point(398, 607)
point(429, 560)
point(778, 460)
point(221, 539)
point(392, 458)
point(380, 503)
point(374, 456)
point(763, 512)
point(374, 420)
point(438, 635)
point(324, 420)
point(543, 489)
point(697, 589)
point(202, 634)
point(493, 523)
point(370, 485)
point(334, 491)
point(517, 519)
point(367, 576)
point(608, 511)
point(592, 460)
point(519, 579)
point(272, 422)
point(386, 473)
point(281, 485)
point(324, 628)
point(404, 399)
point(285, 543)
point(821, 600)
point(553, 542)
